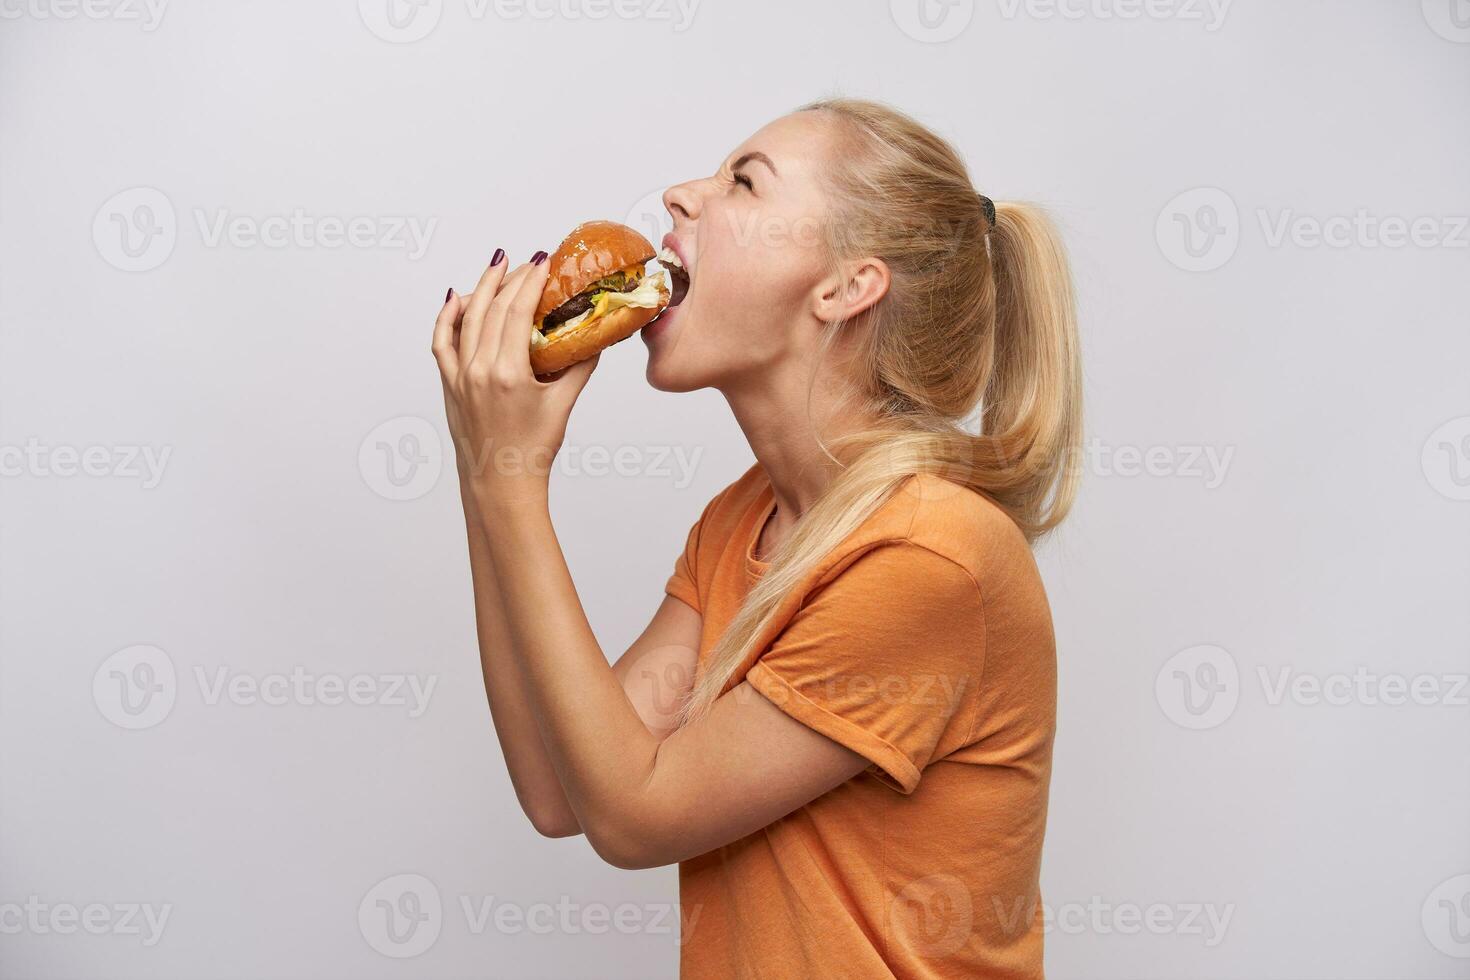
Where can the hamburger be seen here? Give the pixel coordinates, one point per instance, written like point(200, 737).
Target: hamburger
point(601, 290)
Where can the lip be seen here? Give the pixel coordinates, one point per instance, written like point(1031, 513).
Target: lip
point(659, 325)
point(671, 242)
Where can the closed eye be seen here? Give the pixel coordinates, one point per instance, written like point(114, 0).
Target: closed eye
point(743, 180)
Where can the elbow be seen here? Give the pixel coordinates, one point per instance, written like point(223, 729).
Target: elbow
point(630, 846)
point(556, 827)
point(552, 821)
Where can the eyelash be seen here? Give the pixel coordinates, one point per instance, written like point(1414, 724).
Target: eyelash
point(744, 181)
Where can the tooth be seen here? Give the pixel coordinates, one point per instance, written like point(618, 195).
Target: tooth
point(668, 255)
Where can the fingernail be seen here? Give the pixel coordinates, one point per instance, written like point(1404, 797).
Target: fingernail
point(449, 295)
point(538, 258)
point(497, 258)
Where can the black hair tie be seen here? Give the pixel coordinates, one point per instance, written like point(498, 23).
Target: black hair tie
point(987, 207)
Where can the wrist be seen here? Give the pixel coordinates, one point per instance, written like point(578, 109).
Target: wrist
point(501, 499)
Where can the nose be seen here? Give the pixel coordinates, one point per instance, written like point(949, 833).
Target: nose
point(684, 201)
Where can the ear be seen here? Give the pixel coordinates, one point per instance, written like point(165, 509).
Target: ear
point(853, 289)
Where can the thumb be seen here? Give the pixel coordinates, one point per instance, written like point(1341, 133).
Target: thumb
point(569, 383)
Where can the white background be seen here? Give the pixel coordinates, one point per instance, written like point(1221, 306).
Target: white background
point(1328, 381)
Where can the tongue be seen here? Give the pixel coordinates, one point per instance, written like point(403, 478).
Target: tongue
point(678, 283)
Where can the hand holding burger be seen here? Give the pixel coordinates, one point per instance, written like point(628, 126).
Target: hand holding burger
point(600, 286)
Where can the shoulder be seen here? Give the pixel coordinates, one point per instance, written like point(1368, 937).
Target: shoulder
point(929, 518)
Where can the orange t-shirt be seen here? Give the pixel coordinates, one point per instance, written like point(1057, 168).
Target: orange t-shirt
point(923, 643)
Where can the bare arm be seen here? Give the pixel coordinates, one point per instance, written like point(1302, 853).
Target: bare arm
point(642, 799)
point(646, 798)
point(656, 670)
point(655, 673)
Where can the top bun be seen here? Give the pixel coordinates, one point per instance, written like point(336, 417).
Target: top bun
point(593, 250)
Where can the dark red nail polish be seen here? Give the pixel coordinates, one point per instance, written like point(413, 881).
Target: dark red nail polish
point(538, 258)
point(449, 295)
point(497, 258)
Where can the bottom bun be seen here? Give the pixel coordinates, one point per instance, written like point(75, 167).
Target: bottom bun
point(566, 347)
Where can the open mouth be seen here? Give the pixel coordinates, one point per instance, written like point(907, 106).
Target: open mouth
point(678, 275)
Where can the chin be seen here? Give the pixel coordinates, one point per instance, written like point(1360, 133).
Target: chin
point(664, 375)
point(667, 370)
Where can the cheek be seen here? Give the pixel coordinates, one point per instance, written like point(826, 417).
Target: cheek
point(752, 277)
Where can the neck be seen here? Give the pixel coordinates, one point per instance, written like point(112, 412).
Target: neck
point(782, 428)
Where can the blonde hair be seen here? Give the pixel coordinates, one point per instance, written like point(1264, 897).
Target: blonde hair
point(979, 313)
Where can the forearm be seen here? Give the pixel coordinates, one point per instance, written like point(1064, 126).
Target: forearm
point(602, 752)
point(531, 771)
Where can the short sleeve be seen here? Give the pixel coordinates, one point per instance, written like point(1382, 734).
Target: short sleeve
point(683, 584)
point(884, 659)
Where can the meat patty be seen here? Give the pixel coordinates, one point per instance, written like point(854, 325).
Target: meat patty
point(582, 302)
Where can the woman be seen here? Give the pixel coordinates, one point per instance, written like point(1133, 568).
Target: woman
point(839, 721)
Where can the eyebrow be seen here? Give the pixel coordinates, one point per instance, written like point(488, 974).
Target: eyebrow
point(756, 155)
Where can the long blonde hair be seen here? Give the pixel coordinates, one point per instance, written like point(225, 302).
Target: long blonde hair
point(979, 313)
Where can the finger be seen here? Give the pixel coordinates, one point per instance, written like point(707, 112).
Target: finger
point(443, 344)
point(515, 325)
point(566, 385)
point(474, 314)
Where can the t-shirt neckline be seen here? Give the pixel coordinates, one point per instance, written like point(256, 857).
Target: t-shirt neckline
point(765, 506)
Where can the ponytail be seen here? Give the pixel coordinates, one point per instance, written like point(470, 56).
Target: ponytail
point(980, 313)
point(1032, 404)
